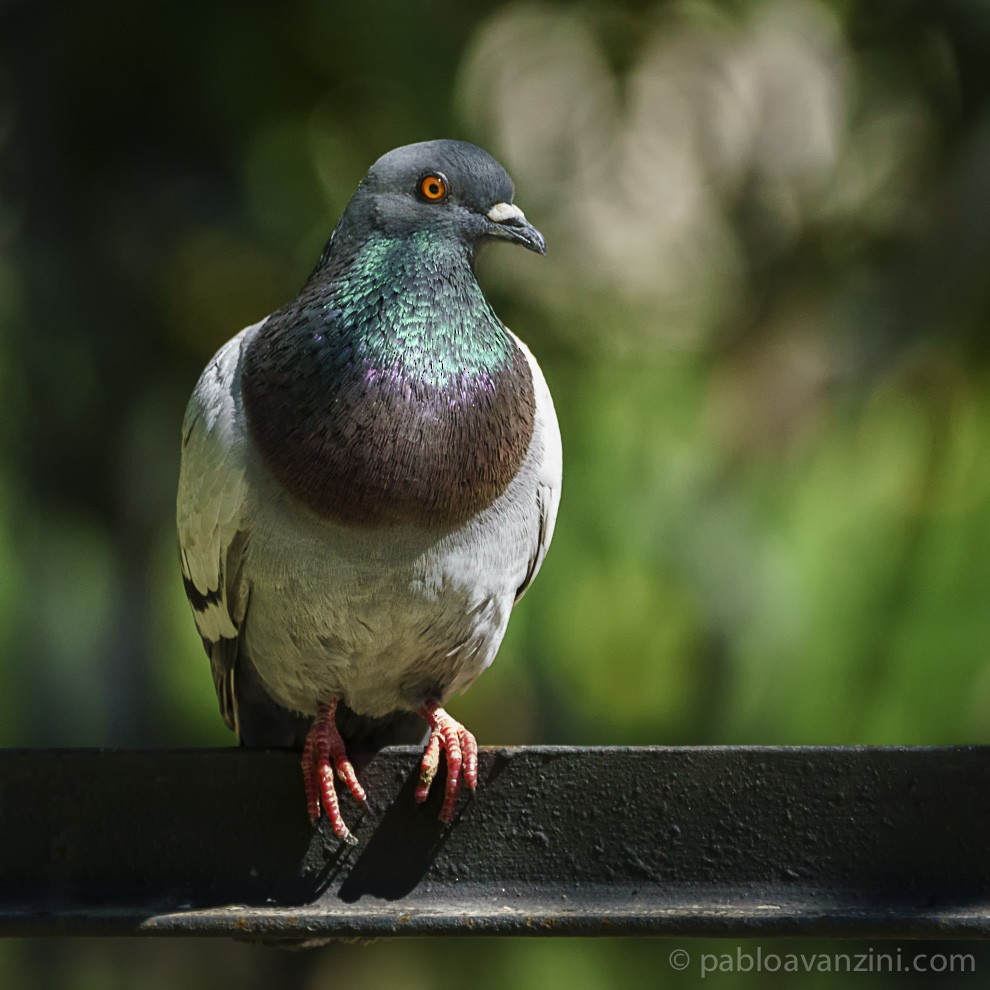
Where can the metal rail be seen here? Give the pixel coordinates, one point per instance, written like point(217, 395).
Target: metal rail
point(734, 841)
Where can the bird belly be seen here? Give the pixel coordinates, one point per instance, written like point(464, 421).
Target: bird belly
point(381, 649)
point(385, 620)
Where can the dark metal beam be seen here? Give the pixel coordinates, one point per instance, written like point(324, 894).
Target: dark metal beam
point(736, 841)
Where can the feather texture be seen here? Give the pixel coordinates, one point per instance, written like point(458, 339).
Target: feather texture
point(365, 543)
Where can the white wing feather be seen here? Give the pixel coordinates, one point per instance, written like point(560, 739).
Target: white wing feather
point(550, 469)
point(213, 497)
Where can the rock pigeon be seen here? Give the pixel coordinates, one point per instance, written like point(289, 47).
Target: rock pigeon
point(369, 482)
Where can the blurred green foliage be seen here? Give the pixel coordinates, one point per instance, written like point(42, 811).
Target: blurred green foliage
point(763, 317)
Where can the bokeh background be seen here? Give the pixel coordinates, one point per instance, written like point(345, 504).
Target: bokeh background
point(764, 318)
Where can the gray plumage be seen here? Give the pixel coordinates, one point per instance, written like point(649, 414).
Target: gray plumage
point(303, 597)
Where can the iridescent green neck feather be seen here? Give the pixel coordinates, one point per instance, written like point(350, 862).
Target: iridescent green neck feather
point(388, 391)
point(416, 302)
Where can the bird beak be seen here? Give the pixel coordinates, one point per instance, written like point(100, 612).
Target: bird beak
point(509, 222)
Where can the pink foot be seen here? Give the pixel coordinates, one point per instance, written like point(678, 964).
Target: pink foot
point(324, 750)
point(462, 755)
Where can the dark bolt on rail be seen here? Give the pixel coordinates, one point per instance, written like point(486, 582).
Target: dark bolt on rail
point(712, 841)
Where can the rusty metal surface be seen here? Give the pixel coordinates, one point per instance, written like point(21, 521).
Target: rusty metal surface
point(716, 841)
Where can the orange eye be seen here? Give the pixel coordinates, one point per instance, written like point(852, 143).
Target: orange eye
point(433, 187)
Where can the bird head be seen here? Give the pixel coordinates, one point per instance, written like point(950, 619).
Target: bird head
point(451, 188)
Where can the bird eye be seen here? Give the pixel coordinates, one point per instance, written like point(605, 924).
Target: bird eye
point(433, 187)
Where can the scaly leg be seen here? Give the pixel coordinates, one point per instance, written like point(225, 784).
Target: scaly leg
point(462, 756)
point(324, 750)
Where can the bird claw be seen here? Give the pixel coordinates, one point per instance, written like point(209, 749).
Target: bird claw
point(323, 753)
point(462, 758)
point(325, 756)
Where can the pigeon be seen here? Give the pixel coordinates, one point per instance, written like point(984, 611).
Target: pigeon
point(369, 482)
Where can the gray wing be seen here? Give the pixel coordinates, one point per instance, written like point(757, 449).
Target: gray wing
point(211, 515)
point(549, 473)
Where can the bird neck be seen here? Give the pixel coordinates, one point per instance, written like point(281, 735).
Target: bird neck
point(413, 308)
